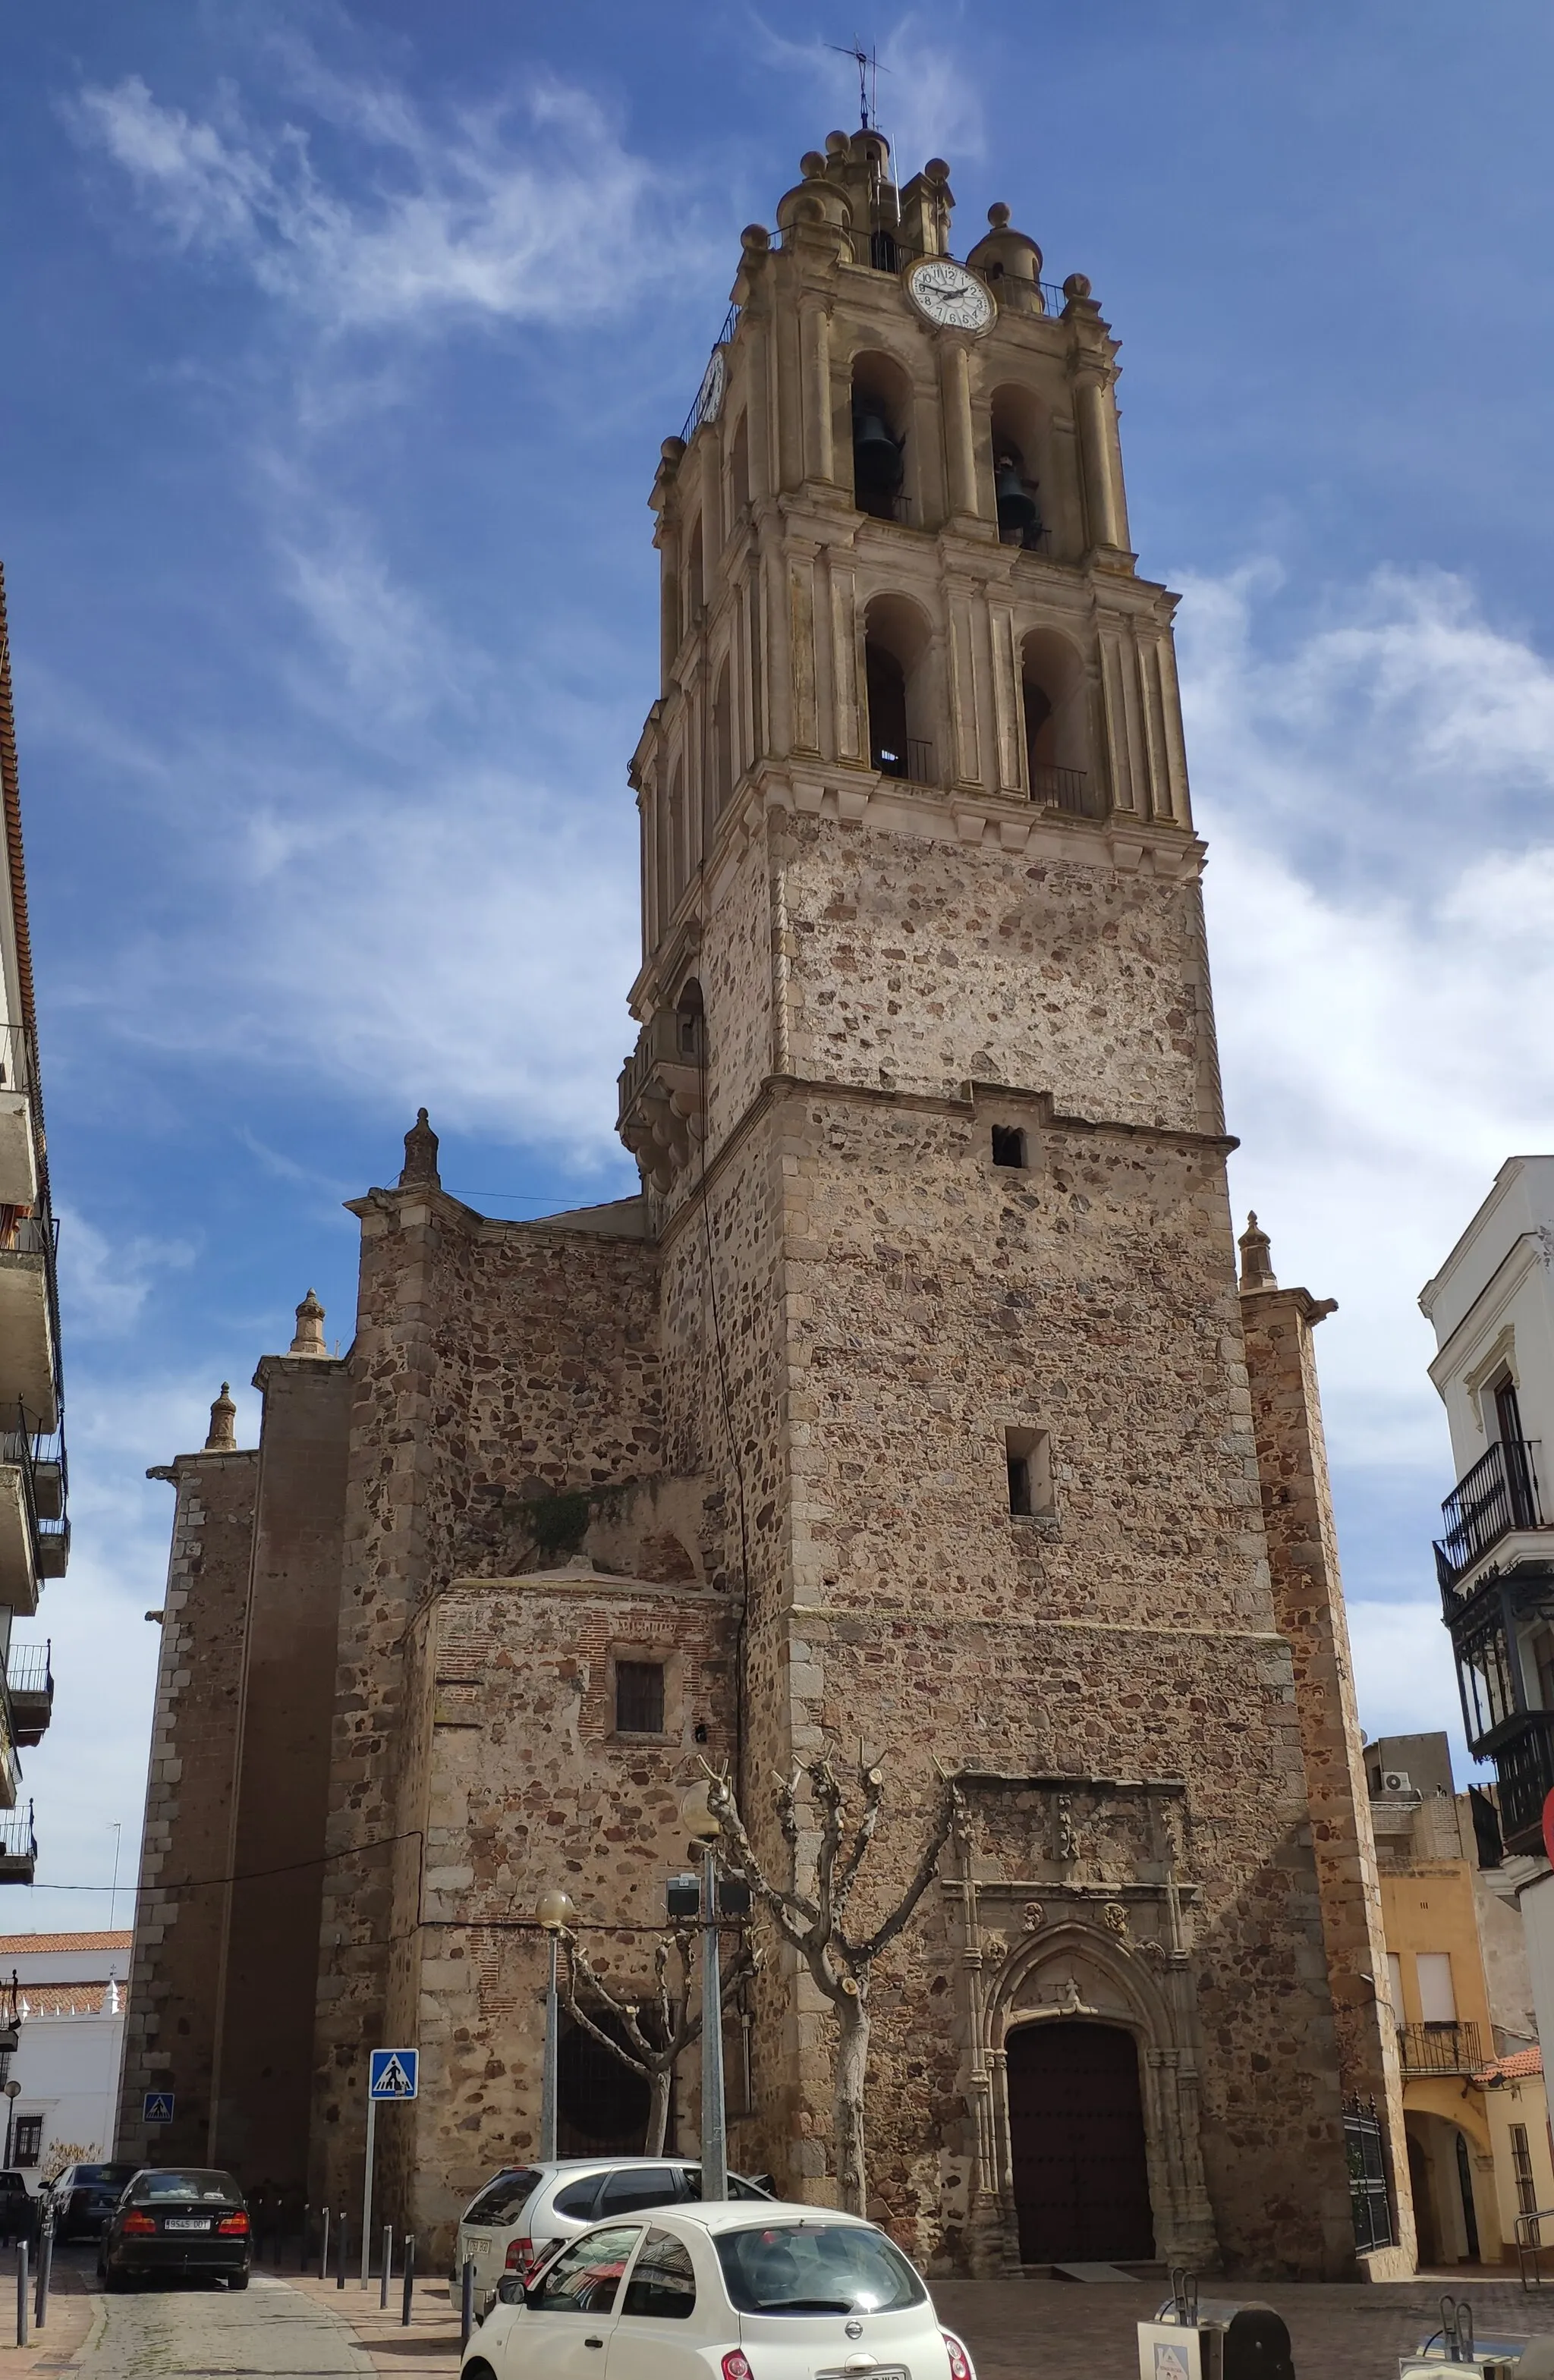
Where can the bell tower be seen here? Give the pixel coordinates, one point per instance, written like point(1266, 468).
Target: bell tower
point(927, 1107)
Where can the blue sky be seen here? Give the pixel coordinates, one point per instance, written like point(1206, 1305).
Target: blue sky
point(338, 349)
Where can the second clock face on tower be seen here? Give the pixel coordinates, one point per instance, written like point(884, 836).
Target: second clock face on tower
point(948, 295)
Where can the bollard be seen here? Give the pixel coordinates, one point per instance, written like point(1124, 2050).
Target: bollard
point(343, 2237)
point(410, 2274)
point(21, 2293)
point(45, 2271)
point(388, 2260)
point(467, 2303)
point(323, 2243)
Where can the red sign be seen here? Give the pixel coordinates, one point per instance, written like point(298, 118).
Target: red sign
point(1549, 1826)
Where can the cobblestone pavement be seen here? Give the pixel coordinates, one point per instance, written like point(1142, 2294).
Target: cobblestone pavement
point(267, 2332)
point(1066, 2330)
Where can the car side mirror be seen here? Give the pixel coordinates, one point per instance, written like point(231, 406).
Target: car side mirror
point(510, 2291)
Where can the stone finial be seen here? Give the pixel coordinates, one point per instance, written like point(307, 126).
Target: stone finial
point(309, 1328)
point(1256, 1273)
point(998, 215)
point(420, 1157)
point(223, 1438)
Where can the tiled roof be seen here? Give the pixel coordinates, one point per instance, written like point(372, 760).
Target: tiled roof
point(68, 2000)
point(17, 1946)
point(1510, 2069)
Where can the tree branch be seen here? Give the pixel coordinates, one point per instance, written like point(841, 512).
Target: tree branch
point(949, 1805)
point(846, 1875)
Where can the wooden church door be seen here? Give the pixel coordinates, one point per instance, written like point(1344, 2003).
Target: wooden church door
point(1077, 2131)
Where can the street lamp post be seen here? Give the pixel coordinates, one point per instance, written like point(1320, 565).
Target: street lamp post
point(704, 1831)
point(555, 1913)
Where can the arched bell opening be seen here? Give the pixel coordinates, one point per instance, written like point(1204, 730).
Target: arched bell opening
point(1053, 698)
point(897, 682)
point(739, 468)
point(723, 742)
point(881, 408)
point(694, 576)
point(690, 1024)
point(1019, 452)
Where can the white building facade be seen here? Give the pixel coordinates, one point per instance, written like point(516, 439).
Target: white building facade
point(70, 1991)
point(1491, 1306)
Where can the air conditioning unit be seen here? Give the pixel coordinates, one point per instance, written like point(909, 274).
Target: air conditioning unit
point(1395, 1781)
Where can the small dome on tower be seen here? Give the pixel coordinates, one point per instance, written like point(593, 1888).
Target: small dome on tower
point(308, 1339)
point(1012, 262)
point(421, 1155)
point(224, 1413)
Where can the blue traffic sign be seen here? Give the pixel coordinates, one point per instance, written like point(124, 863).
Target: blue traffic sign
point(157, 2106)
point(394, 2073)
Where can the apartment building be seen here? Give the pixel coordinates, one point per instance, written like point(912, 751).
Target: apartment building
point(34, 1525)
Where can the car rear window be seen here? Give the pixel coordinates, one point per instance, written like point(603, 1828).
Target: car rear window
point(105, 2177)
point(189, 2183)
point(816, 2268)
point(737, 2185)
point(640, 2186)
point(503, 2200)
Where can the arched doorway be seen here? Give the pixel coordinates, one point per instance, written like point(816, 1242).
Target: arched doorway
point(1076, 2134)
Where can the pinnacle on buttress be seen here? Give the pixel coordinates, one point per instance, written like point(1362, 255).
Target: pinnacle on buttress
point(421, 1155)
point(309, 1329)
point(1256, 1271)
point(223, 1438)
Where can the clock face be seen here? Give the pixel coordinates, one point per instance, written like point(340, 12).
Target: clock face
point(710, 400)
point(948, 294)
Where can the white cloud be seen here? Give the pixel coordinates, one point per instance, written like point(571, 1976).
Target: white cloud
point(1377, 798)
point(105, 1282)
point(521, 210)
point(925, 101)
point(1403, 1674)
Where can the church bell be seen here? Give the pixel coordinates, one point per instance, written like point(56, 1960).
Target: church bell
point(1019, 515)
point(877, 464)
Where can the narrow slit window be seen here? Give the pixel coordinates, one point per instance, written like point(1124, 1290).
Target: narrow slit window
point(639, 1697)
point(1029, 1459)
point(1009, 1146)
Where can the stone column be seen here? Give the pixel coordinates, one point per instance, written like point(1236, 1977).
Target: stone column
point(1097, 446)
point(1308, 1608)
point(814, 333)
point(960, 446)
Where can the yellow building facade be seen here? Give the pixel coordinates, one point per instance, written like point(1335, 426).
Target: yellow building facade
point(1474, 2110)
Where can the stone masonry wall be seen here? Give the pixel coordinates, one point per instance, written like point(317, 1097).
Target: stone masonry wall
point(523, 1784)
point(931, 1301)
point(493, 1363)
point(1309, 1600)
point(919, 966)
point(171, 2025)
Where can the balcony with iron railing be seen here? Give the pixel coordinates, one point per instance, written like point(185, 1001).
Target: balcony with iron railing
point(1499, 1497)
point(1071, 791)
point(18, 1849)
point(34, 1516)
point(1441, 2048)
point(1524, 1772)
point(29, 1683)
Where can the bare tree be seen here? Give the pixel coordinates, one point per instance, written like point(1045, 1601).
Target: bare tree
point(674, 2020)
point(812, 1921)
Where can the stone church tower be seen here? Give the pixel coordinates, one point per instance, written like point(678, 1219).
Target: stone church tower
point(908, 1406)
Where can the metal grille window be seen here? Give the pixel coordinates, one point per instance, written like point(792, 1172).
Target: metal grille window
point(1522, 2165)
point(639, 1697)
point(1366, 2159)
point(27, 2146)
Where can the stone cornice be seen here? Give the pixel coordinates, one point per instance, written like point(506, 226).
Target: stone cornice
point(1310, 1309)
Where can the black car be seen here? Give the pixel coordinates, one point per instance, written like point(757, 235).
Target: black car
point(178, 2219)
point(83, 2197)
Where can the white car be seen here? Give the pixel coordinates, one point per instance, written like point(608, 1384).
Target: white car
point(720, 2292)
point(512, 2224)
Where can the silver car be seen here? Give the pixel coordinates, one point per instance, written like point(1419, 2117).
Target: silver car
point(521, 2214)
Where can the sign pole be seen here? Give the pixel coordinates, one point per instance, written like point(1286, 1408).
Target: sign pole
point(367, 2187)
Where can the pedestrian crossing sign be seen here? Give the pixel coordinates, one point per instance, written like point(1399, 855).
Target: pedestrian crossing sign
point(394, 2073)
point(157, 2107)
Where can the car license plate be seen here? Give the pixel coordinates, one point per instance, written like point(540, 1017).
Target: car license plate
point(881, 2371)
point(187, 2223)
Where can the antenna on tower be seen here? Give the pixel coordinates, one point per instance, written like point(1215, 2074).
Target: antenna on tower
point(868, 65)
